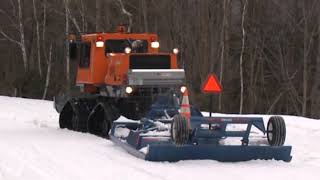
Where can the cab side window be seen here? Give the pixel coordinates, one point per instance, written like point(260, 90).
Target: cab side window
point(85, 49)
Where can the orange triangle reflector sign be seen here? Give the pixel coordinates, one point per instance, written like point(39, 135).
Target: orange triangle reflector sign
point(212, 85)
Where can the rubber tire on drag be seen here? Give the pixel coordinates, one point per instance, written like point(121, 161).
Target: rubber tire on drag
point(276, 131)
point(179, 130)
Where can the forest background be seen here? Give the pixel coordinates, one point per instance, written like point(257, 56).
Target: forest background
point(266, 53)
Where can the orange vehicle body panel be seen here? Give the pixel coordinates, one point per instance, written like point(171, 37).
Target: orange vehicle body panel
point(112, 68)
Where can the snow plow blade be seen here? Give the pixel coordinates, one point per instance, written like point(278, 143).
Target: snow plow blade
point(220, 153)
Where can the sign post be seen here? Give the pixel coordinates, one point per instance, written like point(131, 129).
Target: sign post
point(210, 105)
point(211, 86)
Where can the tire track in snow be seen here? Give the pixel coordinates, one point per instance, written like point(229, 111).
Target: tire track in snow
point(2, 175)
point(122, 158)
point(27, 161)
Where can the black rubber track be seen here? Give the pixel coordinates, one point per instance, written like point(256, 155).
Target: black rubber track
point(74, 115)
point(179, 130)
point(80, 118)
point(278, 131)
point(101, 118)
point(65, 118)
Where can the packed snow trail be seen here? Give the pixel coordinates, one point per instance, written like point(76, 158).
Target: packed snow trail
point(33, 147)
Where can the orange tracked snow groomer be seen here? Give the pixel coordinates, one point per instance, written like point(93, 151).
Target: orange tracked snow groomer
point(118, 73)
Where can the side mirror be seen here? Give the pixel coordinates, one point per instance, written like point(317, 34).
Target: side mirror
point(73, 50)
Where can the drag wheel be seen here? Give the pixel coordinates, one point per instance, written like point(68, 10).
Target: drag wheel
point(276, 131)
point(179, 130)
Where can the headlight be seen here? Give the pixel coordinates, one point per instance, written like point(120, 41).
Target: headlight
point(183, 89)
point(127, 50)
point(129, 90)
point(175, 50)
point(111, 54)
point(155, 44)
point(99, 44)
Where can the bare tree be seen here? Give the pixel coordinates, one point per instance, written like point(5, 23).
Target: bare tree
point(315, 91)
point(66, 6)
point(83, 16)
point(44, 21)
point(68, 14)
point(21, 42)
point(308, 34)
point(241, 55)
point(127, 13)
point(48, 73)
point(73, 19)
point(145, 15)
point(224, 44)
point(305, 61)
point(98, 15)
point(22, 37)
point(38, 36)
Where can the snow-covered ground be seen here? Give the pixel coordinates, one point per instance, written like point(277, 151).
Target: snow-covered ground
point(33, 147)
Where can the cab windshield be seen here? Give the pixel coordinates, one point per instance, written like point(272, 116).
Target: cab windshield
point(119, 45)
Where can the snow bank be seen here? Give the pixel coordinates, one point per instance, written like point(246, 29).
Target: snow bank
point(33, 147)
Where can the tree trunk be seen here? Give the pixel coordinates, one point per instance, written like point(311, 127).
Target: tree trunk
point(315, 91)
point(241, 55)
point(224, 44)
point(22, 38)
point(66, 3)
point(44, 22)
point(48, 73)
point(127, 13)
point(83, 16)
point(38, 37)
point(98, 16)
point(305, 61)
point(145, 15)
